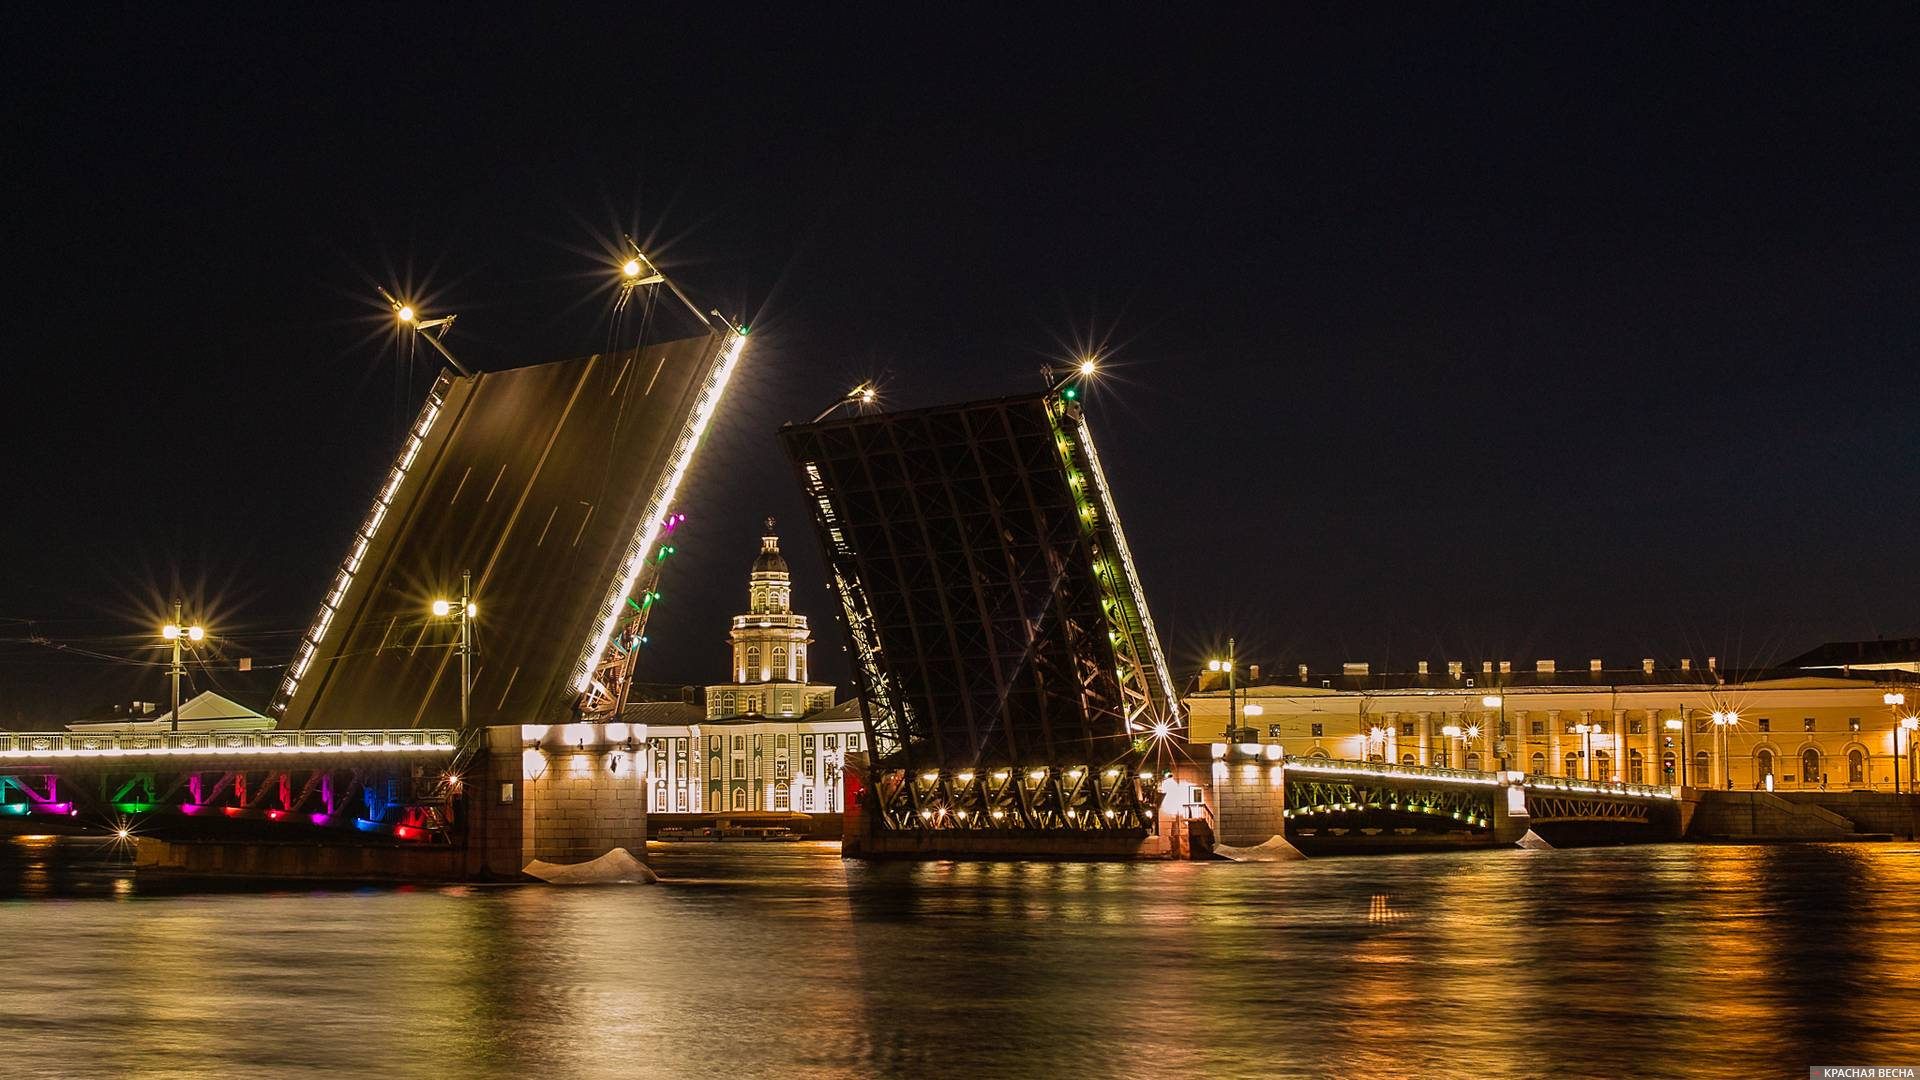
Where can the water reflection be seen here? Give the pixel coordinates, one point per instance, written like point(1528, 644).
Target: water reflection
point(1661, 961)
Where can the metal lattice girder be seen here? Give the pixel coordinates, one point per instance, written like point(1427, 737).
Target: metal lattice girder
point(1075, 798)
point(1543, 808)
point(992, 610)
point(1328, 798)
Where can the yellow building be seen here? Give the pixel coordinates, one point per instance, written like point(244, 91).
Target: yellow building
point(1792, 728)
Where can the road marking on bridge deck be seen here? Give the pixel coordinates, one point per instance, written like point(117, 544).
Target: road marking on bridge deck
point(548, 525)
point(507, 690)
point(462, 486)
point(496, 482)
point(581, 531)
point(648, 392)
point(618, 379)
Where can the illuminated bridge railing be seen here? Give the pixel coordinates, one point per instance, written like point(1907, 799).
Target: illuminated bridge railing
point(1432, 773)
point(1597, 787)
point(1349, 767)
point(52, 746)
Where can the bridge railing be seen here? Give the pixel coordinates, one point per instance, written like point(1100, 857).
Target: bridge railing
point(1597, 787)
point(17, 745)
point(1387, 768)
point(1471, 776)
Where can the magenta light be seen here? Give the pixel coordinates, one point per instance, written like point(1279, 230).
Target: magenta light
point(192, 808)
point(54, 808)
point(320, 819)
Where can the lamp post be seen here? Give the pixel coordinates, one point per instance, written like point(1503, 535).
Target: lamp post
point(176, 632)
point(1680, 725)
point(1723, 720)
point(1908, 724)
point(1585, 731)
point(1233, 716)
point(464, 611)
point(1498, 701)
point(1894, 699)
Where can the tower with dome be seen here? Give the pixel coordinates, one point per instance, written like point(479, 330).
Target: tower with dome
point(769, 645)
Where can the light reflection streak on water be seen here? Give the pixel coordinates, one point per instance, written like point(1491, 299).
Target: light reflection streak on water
point(1659, 961)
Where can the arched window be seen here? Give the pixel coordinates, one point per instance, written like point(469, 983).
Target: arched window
point(1602, 765)
point(1408, 759)
point(1636, 767)
point(1810, 766)
point(1473, 762)
point(782, 798)
point(1856, 767)
point(1317, 752)
point(1539, 765)
point(730, 702)
point(1702, 769)
point(1762, 766)
point(780, 662)
point(1573, 764)
point(753, 663)
point(739, 798)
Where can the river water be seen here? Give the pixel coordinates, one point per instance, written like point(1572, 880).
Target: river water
point(782, 960)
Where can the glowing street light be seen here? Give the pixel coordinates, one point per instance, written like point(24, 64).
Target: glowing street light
point(1894, 699)
point(433, 330)
point(864, 394)
point(1233, 715)
point(175, 632)
point(465, 610)
point(1088, 367)
point(1722, 720)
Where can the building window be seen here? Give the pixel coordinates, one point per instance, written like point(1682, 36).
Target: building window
point(1636, 767)
point(1537, 727)
point(1810, 766)
point(739, 798)
point(681, 800)
point(1766, 725)
point(853, 742)
point(1853, 723)
point(806, 743)
point(1573, 764)
point(1539, 765)
point(1637, 725)
point(1406, 731)
point(1762, 766)
point(806, 799)
point(1856, 766)
point(1473, 762)
point(1807, 724)
point(1602, 765)
point(1702, 769)
point(780, 742)
point(781, 799)
point(753, 662)
point(779, 661)
point(739, 742)
point(1316, 730)
point(1407, 759)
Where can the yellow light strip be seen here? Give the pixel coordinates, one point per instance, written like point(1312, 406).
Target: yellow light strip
point(1133, 576)
point(657, 504)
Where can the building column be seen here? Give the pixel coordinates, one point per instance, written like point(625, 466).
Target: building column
point(1656, 733)
point(1423, 728)
point(1555, 761)
point(1521, 742)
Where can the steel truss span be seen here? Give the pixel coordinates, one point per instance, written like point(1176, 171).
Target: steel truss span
point(549, 483)
point(1006, 665)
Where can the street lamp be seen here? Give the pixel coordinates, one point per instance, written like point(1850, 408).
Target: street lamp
point(1497, 701)
point(433, 330)
point(1227, 665)
point(1894, 699)
point(1722, 721)
point(176, 632)
point(1585, 731)
point(863, 394)
point(464, 609)
point(1450, 731)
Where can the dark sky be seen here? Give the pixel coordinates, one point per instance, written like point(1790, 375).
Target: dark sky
point(1514, 331)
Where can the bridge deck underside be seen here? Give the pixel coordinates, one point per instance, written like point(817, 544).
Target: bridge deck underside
point(534, 479)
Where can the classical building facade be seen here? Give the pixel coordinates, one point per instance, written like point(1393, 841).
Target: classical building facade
point(767, 740)
point(1787, 729)
point(769, 644)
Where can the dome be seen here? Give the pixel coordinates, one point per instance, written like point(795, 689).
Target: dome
point(770, 560)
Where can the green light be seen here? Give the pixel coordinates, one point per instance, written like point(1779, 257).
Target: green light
point(13, 808)
point(1070, 393)
point(133, 807)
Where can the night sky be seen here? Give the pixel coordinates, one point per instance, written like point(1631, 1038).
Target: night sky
point(1497, 332)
